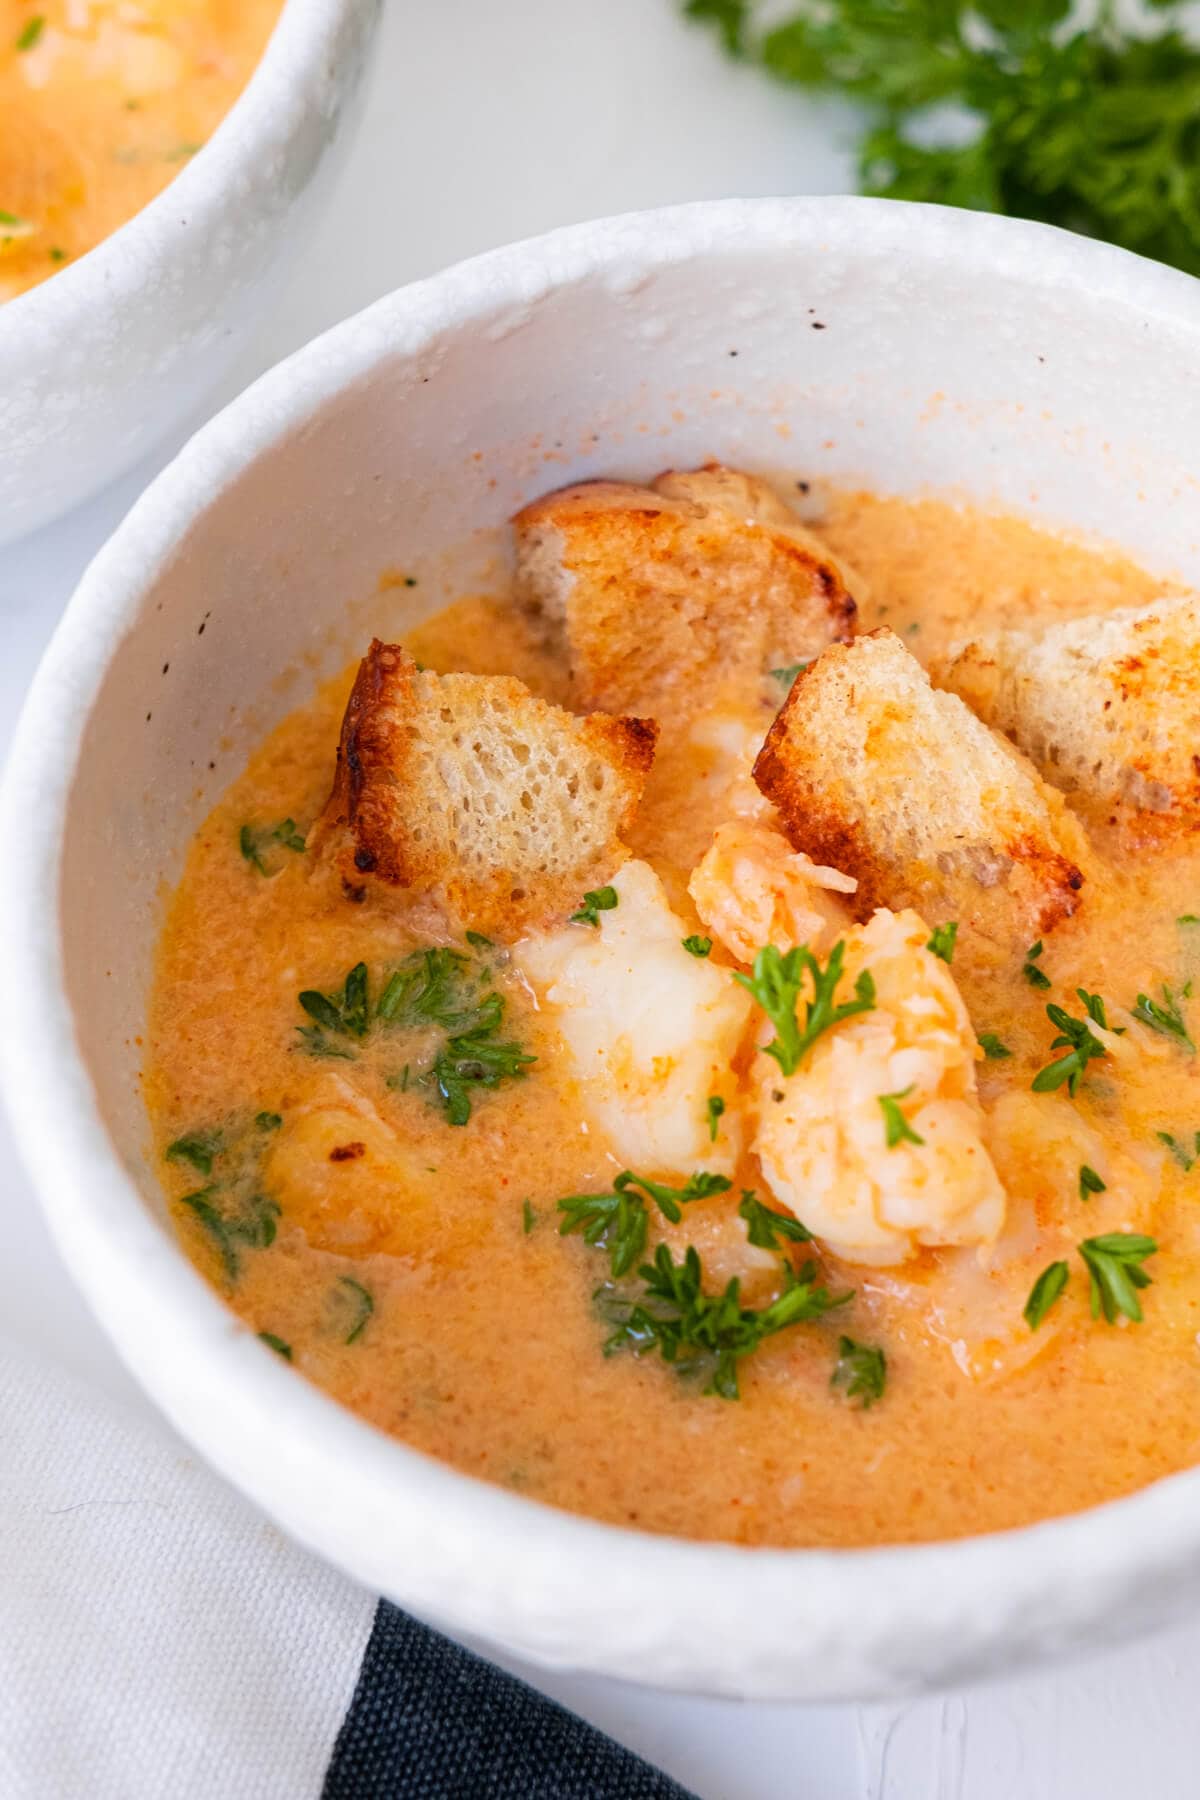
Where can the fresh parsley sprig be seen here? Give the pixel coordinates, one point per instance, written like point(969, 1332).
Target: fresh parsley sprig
point(706, 1335)
point(344, 1013)
point(1046, 1290)
point(1079, 1041)
point(765, 1227)
point(1082, 117)
point(861, 1369)
point(618, 1221)
point(776, 983)
point(254, 841)
point(1166, 1018)
point(595, 901)
point(1114, 1265)
point(896, 1128)
point(943, 940)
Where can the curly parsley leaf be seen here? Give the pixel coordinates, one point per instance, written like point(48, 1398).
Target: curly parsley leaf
point(776, 983)
point(765, 1227)
point(1083, 117)
point(1079, 1041)
point(942, 942)
point(255, 842)
point(1114, 1266)
point(361, 1302)
point(595, 901)
point(1090, 1183)
point(1045, 1291)
point(1185, 1157)
point(1036, 977)
point(198, 1148)
point(1166, 1018)
point(343, 1013)
point(697, 945)
point(618, 1221)
point(896, 1128)
point(861, 1369)
point(250, 1222)
point(714, 1107)
point(706, 1335)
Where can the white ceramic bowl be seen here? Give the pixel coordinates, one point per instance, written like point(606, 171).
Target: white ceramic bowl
point(101, 362)
point(1008, 362)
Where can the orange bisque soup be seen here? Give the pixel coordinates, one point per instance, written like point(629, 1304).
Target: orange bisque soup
point(781, 1129)
point(102, 102)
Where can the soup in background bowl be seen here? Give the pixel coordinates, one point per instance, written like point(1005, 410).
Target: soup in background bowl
point(162, 177)
point(100, 106)
point(361, 490)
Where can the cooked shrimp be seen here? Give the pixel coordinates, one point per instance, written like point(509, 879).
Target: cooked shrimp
point(752, 888)
point(650, 1031)
point(823, 1136)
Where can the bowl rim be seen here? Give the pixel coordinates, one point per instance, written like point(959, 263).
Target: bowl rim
point(120, 264)
point(237, 1401)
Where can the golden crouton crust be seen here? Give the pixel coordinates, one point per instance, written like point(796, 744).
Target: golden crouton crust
point(1107, 705)
point(388, 821)
point(661, 592)
point(881, 776)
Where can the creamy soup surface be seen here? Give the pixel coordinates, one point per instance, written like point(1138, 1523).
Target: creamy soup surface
point(414, 1268)
point(102, 102)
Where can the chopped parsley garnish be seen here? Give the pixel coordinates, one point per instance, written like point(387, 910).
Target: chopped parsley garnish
point(1167, 1018)
point(1045, 1291)
point(1178, 1147)
point(1090, 1183)
point(254, 841)
point(595, 901)
point(992, 1047)
point(529, 1217)
point(1080, 1043)
point(442, 989)
point(775, 984)
point(477, 940)
point(1034, 976)
point(31, 31)
point(697, 945)
point(252, 1224)
point(362, 1300)
point(785, 677)
point(197, 1148)
point(1113, 1263)
point(341, 1014)
point(943, 939)
point(268, 1121)
point(276, 1344)
point(896, 1128)
point(1188, 919)
point(474, 1059)
point(714, 1107)
point(764, 1227)
point(618, 1222)
point(861, 1369)
point(706, 1335)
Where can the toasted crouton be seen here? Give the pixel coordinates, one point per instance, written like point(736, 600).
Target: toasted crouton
point(877, 773)
point(659, 592)
point(1107, 705)
point(469, 789)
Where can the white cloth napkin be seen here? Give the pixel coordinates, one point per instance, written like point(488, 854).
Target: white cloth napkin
point(158, 1637)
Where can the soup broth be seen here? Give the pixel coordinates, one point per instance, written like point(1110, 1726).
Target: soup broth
point(439, 1300)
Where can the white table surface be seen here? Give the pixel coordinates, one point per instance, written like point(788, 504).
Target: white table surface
point(488, 122)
